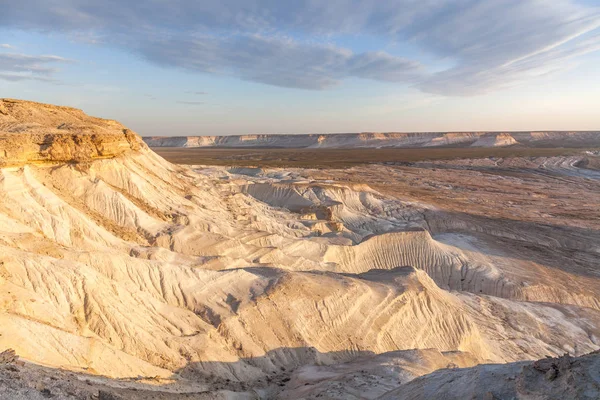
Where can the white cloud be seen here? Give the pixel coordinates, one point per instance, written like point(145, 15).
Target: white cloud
point(190, 103)
point(18, 67)
point(279, 62)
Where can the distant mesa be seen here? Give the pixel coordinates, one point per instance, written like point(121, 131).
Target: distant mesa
point(495, 140)
point(385, 140)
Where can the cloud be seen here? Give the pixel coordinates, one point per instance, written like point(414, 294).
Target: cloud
point(497, 44)
point(489, 43)
point(6, 46)
point(17, 77)
point(191, 103)
point(275, 61)
point(19, 67)
point(196, 93)
point(476, 79)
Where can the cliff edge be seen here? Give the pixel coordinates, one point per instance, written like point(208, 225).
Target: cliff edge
point(33, 132)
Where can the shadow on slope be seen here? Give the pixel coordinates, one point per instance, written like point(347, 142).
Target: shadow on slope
point(411, 374)
point(570, 249)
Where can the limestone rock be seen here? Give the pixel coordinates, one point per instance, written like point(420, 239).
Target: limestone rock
point(37, 133)
point(8, 356)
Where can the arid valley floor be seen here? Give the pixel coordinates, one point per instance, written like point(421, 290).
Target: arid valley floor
point(452, 273)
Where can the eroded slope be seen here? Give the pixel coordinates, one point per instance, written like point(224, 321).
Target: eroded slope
point(121, 264)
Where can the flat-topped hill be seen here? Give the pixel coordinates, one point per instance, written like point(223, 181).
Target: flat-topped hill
point(387, 139)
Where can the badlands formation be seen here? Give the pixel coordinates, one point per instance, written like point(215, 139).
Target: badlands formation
point(379, 140)
point(123, 276)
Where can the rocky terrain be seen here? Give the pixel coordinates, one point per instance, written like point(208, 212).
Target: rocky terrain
point(386, 139)
point(125, 276)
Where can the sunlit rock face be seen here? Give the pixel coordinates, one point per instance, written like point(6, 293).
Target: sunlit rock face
point(33, 132)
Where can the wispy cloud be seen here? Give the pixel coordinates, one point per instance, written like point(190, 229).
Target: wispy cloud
point(6, 46)
point(196, 92)
point(18, 67)
point(17, 77)
point(191, 103)
point(278, 62)
point(490, 43)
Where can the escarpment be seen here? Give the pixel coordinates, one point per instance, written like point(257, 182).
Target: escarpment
point(386, 139)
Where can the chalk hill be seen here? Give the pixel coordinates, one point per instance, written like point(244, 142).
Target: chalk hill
point(115, 262)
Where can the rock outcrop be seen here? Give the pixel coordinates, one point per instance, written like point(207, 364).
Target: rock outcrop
point(498, 140)
point(36, 133)
point(550, 378)
point(117, 263)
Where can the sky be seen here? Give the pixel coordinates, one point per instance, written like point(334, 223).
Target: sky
point(222, 67)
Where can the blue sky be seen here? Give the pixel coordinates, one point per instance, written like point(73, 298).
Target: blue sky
point(184, 67)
